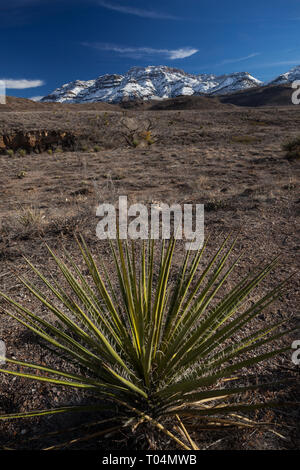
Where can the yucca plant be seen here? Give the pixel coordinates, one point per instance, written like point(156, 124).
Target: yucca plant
point(155, 348)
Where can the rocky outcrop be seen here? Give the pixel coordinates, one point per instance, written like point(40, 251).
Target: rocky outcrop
point(36, 141)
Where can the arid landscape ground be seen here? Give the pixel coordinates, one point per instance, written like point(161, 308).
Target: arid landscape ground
point(227, 157)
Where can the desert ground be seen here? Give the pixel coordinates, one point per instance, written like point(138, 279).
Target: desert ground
point(57, 163)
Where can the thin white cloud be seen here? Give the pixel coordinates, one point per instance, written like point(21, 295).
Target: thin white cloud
point(142, 13)
point(277, 64)
point(240, 59)
point(284, 62)
point(140, 52)
point(36, 98)
point(22, 84)
point(228, 61)
point(182, 53)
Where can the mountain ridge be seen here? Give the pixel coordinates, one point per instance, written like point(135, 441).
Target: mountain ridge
point(158, 82)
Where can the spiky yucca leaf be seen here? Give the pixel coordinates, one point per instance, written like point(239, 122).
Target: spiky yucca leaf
point(154, 350)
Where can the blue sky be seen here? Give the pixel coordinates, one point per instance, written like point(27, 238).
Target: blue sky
point(45, 43)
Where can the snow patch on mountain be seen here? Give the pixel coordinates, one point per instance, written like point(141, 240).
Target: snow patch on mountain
point(288, 77)
point(152, 82)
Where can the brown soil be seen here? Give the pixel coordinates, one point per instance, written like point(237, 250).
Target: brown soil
point(228, 158)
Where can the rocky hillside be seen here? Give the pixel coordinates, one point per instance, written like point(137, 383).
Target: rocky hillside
point(149, 83)
point(288, 77)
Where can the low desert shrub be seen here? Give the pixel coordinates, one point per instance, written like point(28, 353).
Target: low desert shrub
point(216, 204)
point(30, 217)
point(21, 174)
point(137, 133)
point(292, 149)
point(243, 139)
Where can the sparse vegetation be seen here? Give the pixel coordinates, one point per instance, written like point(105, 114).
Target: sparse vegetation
point(84, 147)
point(249, 188)
point(30, 217)
point(257, 123)
point(148, 356)
point(216, 204)
point(136, 133)
point(292, 149)
point(243, 139)
point(105, 119)
point(21, 174)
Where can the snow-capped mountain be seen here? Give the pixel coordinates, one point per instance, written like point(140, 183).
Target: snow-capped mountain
point(153, 82)
point(288, 77)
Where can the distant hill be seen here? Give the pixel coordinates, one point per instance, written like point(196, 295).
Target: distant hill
point(20, 104)
point(161, 82)
point(188, 102)
point(287, 77)
point(23, 104)
point(270, 95)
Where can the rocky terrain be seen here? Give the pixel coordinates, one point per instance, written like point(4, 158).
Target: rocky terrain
point(59, 161)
